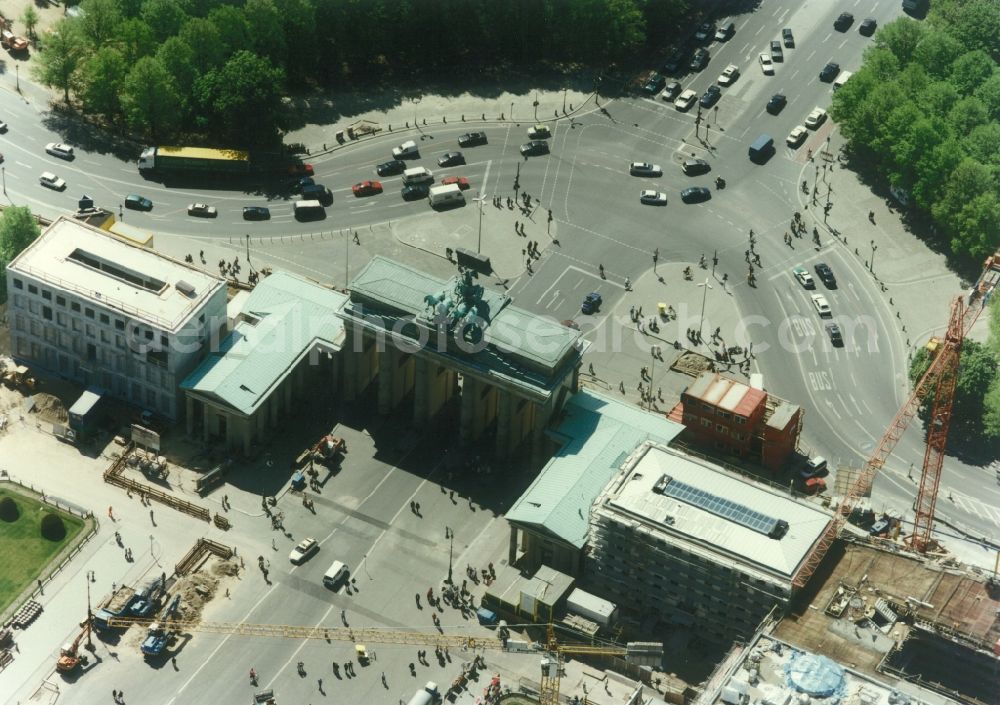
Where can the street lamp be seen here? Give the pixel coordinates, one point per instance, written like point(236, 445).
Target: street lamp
point(450, 535)
point(479, 199)
point(90, 618)
point(3, 172)
point(871, 265)
point(704, 293)
point(248, 248)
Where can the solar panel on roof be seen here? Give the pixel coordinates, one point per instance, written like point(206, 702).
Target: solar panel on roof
point(725, 508)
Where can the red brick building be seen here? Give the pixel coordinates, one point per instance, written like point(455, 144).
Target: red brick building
point(731, 417)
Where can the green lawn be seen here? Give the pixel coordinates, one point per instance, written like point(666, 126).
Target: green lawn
point(24, 554)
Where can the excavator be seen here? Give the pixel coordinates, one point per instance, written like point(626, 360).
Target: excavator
point(69, 655)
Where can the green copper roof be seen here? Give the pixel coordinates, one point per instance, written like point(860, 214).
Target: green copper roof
point(599, 433)
point(283, 319)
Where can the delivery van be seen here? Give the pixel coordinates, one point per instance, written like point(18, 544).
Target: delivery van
point(447, 195)
point(308, 210)
point(407, 150)
point(761, 149)
point(418, 175)
point(335, 575)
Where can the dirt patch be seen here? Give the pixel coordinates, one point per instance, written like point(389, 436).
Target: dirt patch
point(201, 586)
point(49, 408)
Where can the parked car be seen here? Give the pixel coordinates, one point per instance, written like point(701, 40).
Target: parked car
point(367, 188)
point(256, 213)
point(765, 64)
point(694, 167)
point(461, 181)
point(653, 198)
point(451, 159)
point(776, 53)
point(821, 305)
point(58, 149)
point(686, 99)
point(797, 136)
point(644, 169)
point(725, 31)
point(815, 465)
point(695, 194)
point(829, 72)
point(303, 551)
point(472, 139)
point(711, 96)
point(3, 126)
point(413, 192)
point(539, 132)
point(391, 168)
point(591, 302)
point(706, 30)
point(788, 38)
point(301, 169)
point(202, 210)
point(804, 278)
point(777, 103)
point(825, 274)
point(534, 147)
point(654, 84)
point(671, 91)
point(138, 203)
point(699, 60)
point(843, 22)
point(50, 180)
point(729, 75)
point(867, 27)
point(816, 118)
point(674, 62)
point(296, 185)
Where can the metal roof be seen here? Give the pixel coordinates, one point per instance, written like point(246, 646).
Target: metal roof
point(599, 434)
point(726, 393)
point(283, 319)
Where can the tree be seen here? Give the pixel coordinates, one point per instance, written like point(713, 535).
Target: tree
point(18, 229)
point(970, 70)
point(965, 183)
point(205, 42)
point(30, 19)
point(149, 98)
point(60, 58)
point(165, 17)
point(99, 21)
point(977, 226)
point(136, 40)
point(901, 38)
point(232, 30)
point(936, 52)
point(263, 19)
point(9, 511)
point(178, 58)
point(248, 86)
point(52, 527)
point(101, 77)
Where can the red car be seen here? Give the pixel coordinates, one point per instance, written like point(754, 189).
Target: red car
point(463, 182)
point(300, 169)
point(367, 188)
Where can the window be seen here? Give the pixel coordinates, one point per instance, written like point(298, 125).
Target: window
point(46, 294)
point(89, 313)
point(32, 289)
point(707, 423)
point(722, 429)
point(708, 407)
point(724, 414)
point(74, 306)
point(33, 307)
point(76, 325)
point(61, 300)
point(47, 313)
point(105, 319)
point(61, 318)
point(740, 419)
point(18, 284)
point(18, 300)
point(105, 337)
point(119, 324)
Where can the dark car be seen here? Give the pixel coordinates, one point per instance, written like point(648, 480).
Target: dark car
point(591, 302)
point(711, 96)
point(843, 21)
point(868, 27)
point(833, 330)
point(451, 159)
point(674, 62)
point(138, 203)
point(256, 213)
point(472, 139)
point(534, 147)
point(777, 103)
point(396, 166)
point(654, 84)
point(699, 60)
point(826, 274)
point(705, 32)
point(829, 72)
point(296, 185)
point(693, 167)
point(317, 192)
point(413, 192)
point(776, 53)
point(788, 38)
point(695, 194)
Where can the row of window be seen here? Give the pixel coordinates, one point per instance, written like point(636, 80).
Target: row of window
point(716, 411)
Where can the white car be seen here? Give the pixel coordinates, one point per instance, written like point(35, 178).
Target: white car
point(804, 278)
point(686, 99)
point(653, 198)
point(796, 136)
point(202, 210)
point(305, 549)
point(58, 149)
point(644, 169)
point(816, 118)
point(729, 75)
point(765, 64)
point(50, 180)
point(821, 305)
point(539, 132)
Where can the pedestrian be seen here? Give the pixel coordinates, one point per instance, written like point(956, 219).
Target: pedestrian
point(151, 516)
point(111, 514)
point(114, 694)
point(417, 507)
point(357, 240)
point(413, 506)
point(343, 617)
point(319, 682)
point(590, 368)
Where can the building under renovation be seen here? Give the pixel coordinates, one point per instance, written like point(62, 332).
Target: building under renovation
point(684, 542)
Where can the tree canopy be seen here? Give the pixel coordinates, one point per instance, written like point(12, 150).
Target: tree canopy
point(18, 229)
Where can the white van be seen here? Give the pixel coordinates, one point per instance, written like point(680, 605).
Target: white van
point(445, 195)
point(406, 150)
point(417, 175)
point(306, 210)
point(335, 575)
point(841, 79)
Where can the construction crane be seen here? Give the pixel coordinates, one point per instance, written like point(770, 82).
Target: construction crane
point(942, 376)
point(644, 653)
point(69, 655)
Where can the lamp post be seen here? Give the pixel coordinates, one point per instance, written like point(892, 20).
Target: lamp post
point(248, 248)
point(704, 294)
point(3, 172)
point(17, 74)
point(512, 111)
point(871, 265)
point(450, 535)
point(479, 241)
point(90, 617)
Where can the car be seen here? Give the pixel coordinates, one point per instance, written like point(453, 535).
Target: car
point(815, 465)
point(804, 278)
point(725, 32)
point(706, 30)
point(880, 528)
point(138, 203)
point(256, 213)
point(58, 149)
point(413, 192)
point(674, 62)
point(797, 136)
point(296, 185)
point(829, 72)
point(644, 169)
point(653, 198)
point(3, 126)
point(816, 118)
point(699, 60)
point(1, 158)
point(671, 91)
point(451, 159)
point(825, 274)
point(202, 210)
point(367, 188)
point(301, 170)
point(867, 27)
point(461, 181)
point(776, 53)
point(695, 194)
point(833, 330)
point(843, 22)
point(539, 132)
point(686, 99)
point(303, 551)
point(821, 305)
point(765, 64)
point(534, 147)
point(472, 139)
point(591, 302)
point(391, 168)
point(788, 38)
point(654, 84)
point(814, 485)
point(777, 103)
point(693, 167)
point(729, 75)
point(50, 180)
point(711, 96)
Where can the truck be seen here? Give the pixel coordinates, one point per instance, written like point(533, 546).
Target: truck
point(447, 195)
point(160, 633)
point(427, 695)
point(11, 42)
point(592, 607)
point(118, 606)
point(69, 655)
point(193, 160)
point(84, 415)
